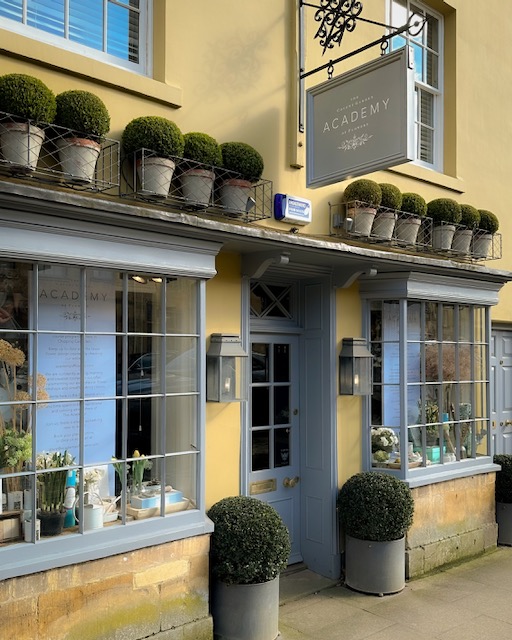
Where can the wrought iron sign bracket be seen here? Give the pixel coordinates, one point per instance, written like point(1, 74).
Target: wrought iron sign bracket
point(336, 17)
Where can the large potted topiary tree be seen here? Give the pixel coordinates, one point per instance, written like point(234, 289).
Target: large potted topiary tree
point(153, 142)
point(446, 214)
point(362, 198)
point(250, 546)
point(384, 223)
point(470, 218)
point(503, 494)
point(29, 105)
point(484, 235)
point(375, 510)
point(412, 212)
point(203, 155)
point(87, 121)
point(244, 167)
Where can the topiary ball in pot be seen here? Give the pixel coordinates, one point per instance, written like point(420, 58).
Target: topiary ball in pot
point(444, 210)
point(27, 98)
point(503, 485)
point(155, 133)
point(241, 158)
point(82, 112)
point(391, 196)
point(202, 148)
point(375, 506)
point(414, 204)
point(488, 221)
point(470, 216)
point(364, 191)
point(250, 543)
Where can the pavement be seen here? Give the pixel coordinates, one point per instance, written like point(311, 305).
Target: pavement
point(470, 601)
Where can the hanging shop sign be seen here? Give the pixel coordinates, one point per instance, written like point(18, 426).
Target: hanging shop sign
point(361, 121)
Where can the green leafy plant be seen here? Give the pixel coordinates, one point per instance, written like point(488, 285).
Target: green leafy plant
point(375, 506)
point(241, 158)
point(444, 210)
point(83, 112)
point(391, 196)
point(158, 134)
point(503, 485)
point(139, 465)
point(27, 98)
point(488, 221)
point(250, 543)
point(365, 191)
point(470, 216)
point(200, 147)
point(414, 203)
point(15, 447)
point(52, 484)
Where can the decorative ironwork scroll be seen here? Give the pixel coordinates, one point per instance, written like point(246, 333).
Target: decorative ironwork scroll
point(336, 17)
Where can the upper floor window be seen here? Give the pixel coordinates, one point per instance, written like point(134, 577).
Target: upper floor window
point(428, 63)
point(115, 31)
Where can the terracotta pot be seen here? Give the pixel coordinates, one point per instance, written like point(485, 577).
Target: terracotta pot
point(78, 157)
point(21, 144)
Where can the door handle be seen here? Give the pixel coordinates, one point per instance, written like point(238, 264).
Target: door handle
point(290, 482)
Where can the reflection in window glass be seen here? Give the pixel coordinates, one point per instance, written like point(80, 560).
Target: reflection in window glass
point(260, 450)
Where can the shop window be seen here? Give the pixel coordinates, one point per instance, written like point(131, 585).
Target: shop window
point(427, 49)
point(430, 408)
point(110, 30)
point(99, 382)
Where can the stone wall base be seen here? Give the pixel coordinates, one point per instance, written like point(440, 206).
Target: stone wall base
point(453, 521)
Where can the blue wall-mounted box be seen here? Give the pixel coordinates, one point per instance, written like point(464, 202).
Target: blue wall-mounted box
point(292, 209)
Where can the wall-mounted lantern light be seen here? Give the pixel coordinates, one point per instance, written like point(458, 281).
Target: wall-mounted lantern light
point(224, 369)
point(356, 371)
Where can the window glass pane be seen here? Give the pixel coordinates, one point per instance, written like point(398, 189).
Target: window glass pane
point(431, 321)
point(432, 358)
point(480, 325)
point(413, 320)
point(181, 424)
point(432, 77)
point(260, 362)
point(59, 298)
point(414, 362)
point(181, 475)
point(14, 287)
point(376, 321)
point(11, 9)
point(281, 363)
point(181, 304)
point(86, 23)
point(449, 371)
point(281, 405)
point(47, 15)
point(376, 404)
point(123, 32)
point(281, 447)
point(432, 33)
point(99, 421)
point(414, 404)
point(418, 53)
point(144, 304)
point(480, 354)
point(465, 316)
point(260, 406)
point(181, 365)
point(448, 322)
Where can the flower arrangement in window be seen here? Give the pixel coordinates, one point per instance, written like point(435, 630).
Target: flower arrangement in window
point(52, 485)
point(139, 465)
point(15, 436)
point(384, 441)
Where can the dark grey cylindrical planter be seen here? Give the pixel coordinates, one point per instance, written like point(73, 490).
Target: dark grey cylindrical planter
point(375, 567)
point(504, 520)
point(245, 611)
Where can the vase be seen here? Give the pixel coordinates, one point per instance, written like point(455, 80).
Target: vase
point(52, 522)
point(78, 157)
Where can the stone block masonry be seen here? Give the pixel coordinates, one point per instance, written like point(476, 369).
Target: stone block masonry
point(159, 592)
point(453, 521)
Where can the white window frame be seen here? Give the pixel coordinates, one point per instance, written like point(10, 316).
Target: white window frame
point(436, 92)
point(143, 67)
point(87, 244)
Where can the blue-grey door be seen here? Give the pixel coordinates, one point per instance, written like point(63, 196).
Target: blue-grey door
point(501, 391)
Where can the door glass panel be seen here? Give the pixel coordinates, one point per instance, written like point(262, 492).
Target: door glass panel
point(281, 447)
point(260, 406)
point(281, 363)
point(281, 405)
point(260, 450)
point(260, 363)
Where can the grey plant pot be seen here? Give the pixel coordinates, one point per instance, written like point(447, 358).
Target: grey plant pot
point(504, 520)
point(245, 611)
point(375, 567)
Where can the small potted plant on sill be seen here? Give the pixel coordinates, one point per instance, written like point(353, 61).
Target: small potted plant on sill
point(385, 220)
point(87, 120)
point(470, 218)
point(250, 546)
point(503, 495)
point(413, 210)
point(29, 105)
point(153, 142)
point(51, 490)
point(362, 198)
point(376, 511)
point(203, 153)
point(445, 214)
point(483, 236)
point(245, 165)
